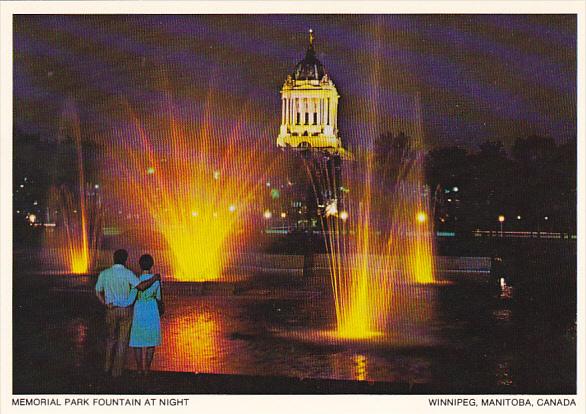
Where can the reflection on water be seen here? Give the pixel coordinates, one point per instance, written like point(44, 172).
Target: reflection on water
point(360, 369)
point(262, 337)
point(506, 291)
point(503, 373)
point(503, 315)
point(191, 341)
point(449, 336)
point(78, 332)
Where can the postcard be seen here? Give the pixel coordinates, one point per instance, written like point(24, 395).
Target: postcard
point(285, 206)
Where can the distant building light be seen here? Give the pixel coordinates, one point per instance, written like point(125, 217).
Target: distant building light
point(97, 186)
point(546, 218)
point(344, 215)
point(501, 218)
point(194, 213)
point(35, 203)
point(455, 189)
point(22, 186)
point(268, 184)
point(216, 175)
point(232, 208)
point(449, 200)
point(267, 214)
point(150, 170)
point(32, 218)
point(518, 217)
point(283, 215)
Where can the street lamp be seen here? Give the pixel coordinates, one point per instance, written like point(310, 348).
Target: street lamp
point(501, 221)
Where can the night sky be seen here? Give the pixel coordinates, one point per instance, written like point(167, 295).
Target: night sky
point(482, 77)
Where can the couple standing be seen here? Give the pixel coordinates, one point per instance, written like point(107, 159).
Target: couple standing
point(132, 313)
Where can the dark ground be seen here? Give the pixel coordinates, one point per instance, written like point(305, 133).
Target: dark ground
point(536, 347)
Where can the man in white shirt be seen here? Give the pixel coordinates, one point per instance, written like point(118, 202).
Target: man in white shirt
point(114, 290)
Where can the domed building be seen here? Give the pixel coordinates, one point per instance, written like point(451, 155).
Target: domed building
point(309, 107)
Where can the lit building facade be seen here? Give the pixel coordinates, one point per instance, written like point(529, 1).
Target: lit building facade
point(309, 107)
point(312, 147)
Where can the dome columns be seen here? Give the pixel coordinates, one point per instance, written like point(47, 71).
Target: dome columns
point(309, 104)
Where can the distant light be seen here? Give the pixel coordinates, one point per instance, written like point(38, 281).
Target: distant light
point(32, 218)
point(344, 215)
point(275, 194)
point(502, 282)
point(455, 189)
point(22, 186)
point(449, 200)
point(546, 218)
point(518, 217)
point(194, 213)
point(150, 170)
point(17, 211)
point(75, 211)
point(216, 175)
point(501, 218)
point(25, 178)
point(35, 203)
point(332, 208)
point(232, 208)
point(97, 186)
point(267, 214)
point(215, 214)
point(268, 184)
point(283, 215)
point(421, 217)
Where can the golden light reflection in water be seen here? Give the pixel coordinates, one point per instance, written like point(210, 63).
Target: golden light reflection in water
point(196, 187)
point(360, 367)
point(192, 343)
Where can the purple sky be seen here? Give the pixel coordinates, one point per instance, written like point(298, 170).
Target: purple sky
point(479, 76)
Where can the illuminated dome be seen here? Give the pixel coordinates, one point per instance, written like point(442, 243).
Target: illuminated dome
point(310, 68)
point(309, 108)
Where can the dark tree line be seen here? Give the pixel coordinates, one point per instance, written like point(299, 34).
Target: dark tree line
point(533, 186)
point(38, 165)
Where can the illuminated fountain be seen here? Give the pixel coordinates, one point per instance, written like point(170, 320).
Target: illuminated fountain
point(78, 229)
point(195, 186)
point(378, 238)
point(78, 214)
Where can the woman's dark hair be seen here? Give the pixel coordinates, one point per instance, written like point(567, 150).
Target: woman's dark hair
point(146, 262)
point(120, 256)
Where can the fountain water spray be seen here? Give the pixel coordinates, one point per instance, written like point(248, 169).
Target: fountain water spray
point(79, 211)
point(379, 237)
point(197, 187)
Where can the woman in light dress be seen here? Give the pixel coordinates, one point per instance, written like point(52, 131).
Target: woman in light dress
point(145, 333)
